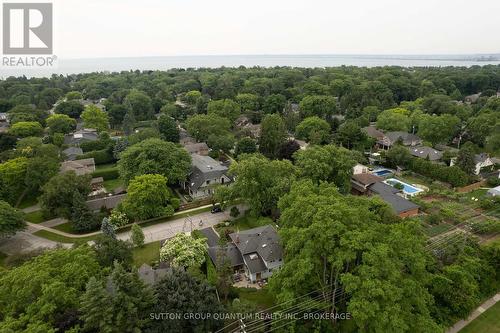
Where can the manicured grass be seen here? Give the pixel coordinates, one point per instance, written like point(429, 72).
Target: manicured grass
point(147, 254)
point(261, 297)
point(487, 322)
point(112, 184)
point(62, 239)
point(105, 166)
point(244, 223)
point(68, 227)
point(34, 217)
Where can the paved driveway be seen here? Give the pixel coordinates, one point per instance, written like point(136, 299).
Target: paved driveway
point(23, 242)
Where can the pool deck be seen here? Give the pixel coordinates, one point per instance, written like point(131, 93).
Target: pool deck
point(407, 186)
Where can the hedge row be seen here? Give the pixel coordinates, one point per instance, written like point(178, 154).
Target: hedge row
point(452, 175)
point(100, 156)
point(107, 174)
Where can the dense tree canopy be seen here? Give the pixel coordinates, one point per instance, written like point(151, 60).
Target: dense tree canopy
point(154, 156)
point(11, 220)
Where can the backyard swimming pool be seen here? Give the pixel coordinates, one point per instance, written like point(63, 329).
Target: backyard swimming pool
point(407, 188)
point(382, 172)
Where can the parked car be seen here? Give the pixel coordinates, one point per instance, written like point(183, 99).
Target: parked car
point(216, 209)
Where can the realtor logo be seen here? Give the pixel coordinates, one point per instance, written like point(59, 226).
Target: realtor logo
point(27, 28)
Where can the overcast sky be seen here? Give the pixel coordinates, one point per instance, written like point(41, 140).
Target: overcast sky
point(109, 28)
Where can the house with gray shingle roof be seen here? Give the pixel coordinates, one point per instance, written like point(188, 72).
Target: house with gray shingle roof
point(261, 251)
point(80, 167)
point(426, 153)
point(71, 153)
point(391, 195)
point(206, 173)
point(391, 138)
point(83, 135)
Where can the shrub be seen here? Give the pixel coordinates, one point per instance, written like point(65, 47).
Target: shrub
point(433, 218)
point(137, 236)
point(235, 212)
point(103, 156)
point(118, 219)
point(106, 174)
point(493, 181)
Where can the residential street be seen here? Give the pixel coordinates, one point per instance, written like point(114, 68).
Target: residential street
point(25, 241)
point(171, 228)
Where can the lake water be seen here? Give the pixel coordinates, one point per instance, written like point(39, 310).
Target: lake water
point(75, 66)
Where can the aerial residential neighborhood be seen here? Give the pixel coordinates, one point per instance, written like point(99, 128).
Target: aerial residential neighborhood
point(229, 167)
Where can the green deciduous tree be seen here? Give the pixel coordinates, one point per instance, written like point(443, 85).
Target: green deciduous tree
point(394, 120)
point(11, 220)
point(70, 108)
point(246, 146)
point(57, 195)
point(339, 242)
point(438, 129)
point(183, 251)
point(44, 292)
point(110, 250)
point(248, 102)
point(12, 179)
point(466, 159)
point(327, 163)
point(273, 135)
point(60, 123)
point(168, 128)
point(24, 129)
point(93, 117)
point(262, 182)
point(320, 106)
point(226, 108)
point(201, 126)
point(148, 197)
point(155, 156)
point(314, 130)
point(140, 104)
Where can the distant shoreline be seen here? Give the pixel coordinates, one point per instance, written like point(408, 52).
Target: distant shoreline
point(117, 64)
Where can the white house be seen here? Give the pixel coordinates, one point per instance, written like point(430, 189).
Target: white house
point(482, 160)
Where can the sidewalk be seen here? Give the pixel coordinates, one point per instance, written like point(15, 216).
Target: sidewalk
point(483, 307)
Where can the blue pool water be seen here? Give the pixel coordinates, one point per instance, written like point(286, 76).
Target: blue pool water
point(382, 172)
point(407, 188)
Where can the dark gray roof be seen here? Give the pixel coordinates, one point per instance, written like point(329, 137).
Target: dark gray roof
point(230, 251)
point(481, 158)
point(106, 202)
point(262, 240)
point(373, 132)
point(212, 237)
point(72, 152)
point(81, 136)
point(204, 168)
point(407, 138)
point(388, 194)
point(149, 275)
point(426, 152)
point(254, 263)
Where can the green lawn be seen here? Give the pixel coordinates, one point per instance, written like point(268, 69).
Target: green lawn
point(105, 166)
point(244, 223)
point(68, 227)
point(112, 184)
point(34, 217)
point(147, 254)
point(261, 297)
point(487, 322)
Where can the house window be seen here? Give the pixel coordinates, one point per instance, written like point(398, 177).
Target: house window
point(208, 182)
point(222, 180)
